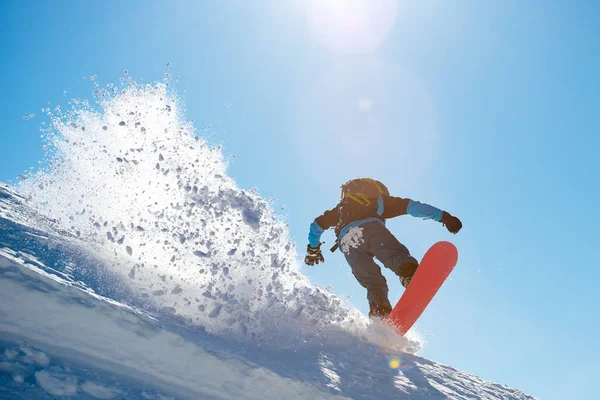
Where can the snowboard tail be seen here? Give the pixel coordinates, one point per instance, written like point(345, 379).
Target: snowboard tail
point(435, 267)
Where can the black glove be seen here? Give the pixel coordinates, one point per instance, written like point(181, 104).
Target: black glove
point(313, 255)
point(451, 223)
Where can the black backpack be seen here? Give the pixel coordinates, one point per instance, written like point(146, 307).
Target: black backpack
point(364, 190)
point(360, 200)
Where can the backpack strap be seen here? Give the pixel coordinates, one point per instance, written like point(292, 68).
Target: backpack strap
point(378, 186)
point(363, 202)
point(335, 246)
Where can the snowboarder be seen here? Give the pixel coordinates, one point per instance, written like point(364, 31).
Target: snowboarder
point(359, 221)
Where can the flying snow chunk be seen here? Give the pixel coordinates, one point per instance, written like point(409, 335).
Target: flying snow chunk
point(176, 290)
point(216, 311)
point(251, 217)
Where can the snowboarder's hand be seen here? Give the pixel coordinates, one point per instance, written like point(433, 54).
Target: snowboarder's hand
point(313, 255)
point(451, 223)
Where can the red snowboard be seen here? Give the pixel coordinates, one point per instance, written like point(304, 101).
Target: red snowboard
point(435, 267)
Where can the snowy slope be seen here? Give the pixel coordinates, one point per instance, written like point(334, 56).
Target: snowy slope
point(132, 266)
point(59, 337)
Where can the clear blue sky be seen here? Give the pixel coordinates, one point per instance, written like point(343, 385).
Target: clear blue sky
point(486, 109)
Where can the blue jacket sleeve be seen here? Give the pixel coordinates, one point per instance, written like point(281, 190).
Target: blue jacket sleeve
point(396, 206)
point(314, 235)
point(323, 222)
point(422, 210)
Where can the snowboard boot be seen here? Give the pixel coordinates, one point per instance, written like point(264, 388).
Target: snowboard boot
point(406, 273)
point(380, 307)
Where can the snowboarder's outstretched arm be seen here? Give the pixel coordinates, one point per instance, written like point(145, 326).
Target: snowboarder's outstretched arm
point(327, 220)
point(396, 206)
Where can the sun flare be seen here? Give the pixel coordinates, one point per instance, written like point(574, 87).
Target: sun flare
point(352, 26)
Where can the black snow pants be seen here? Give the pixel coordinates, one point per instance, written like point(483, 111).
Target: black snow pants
point(372, 239)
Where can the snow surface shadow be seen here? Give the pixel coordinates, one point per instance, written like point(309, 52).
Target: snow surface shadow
point(340, 363)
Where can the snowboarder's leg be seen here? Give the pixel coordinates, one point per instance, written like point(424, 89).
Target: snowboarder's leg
point(368, 274)
point(393, 254)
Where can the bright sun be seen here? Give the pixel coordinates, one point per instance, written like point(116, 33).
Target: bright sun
point(352, 26)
